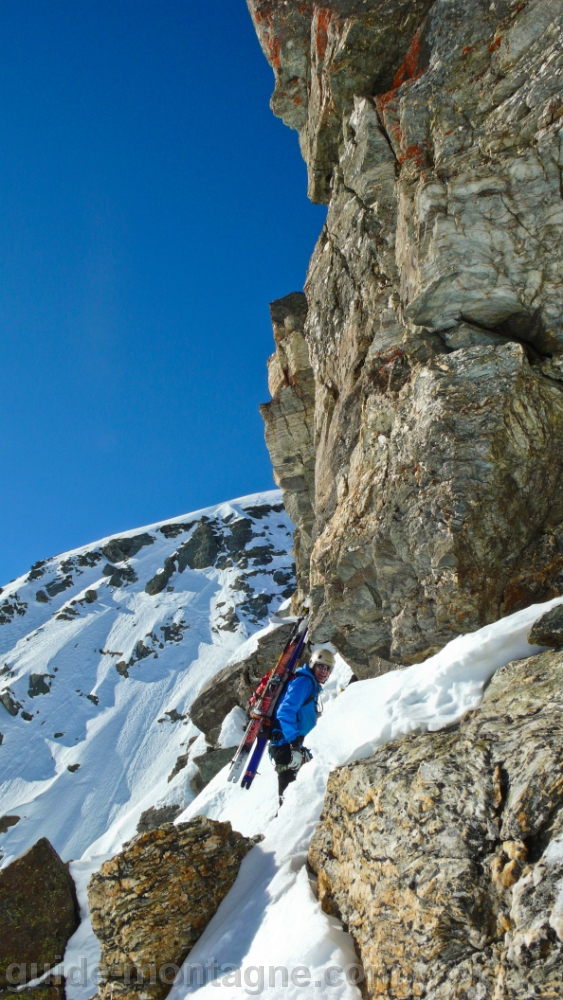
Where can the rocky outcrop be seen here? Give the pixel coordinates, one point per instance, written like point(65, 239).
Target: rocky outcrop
point(150, 903)
point(289, 419)
point(435, 319)
point(39, 914)
point(156, 816)
point(209, 764)
point(237, 681)
point(548, 630)
point(443, 853)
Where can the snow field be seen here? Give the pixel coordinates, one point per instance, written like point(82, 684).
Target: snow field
point(271, 917)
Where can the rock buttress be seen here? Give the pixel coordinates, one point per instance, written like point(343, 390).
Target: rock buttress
point(443, 853)
point(434, 131)
point(289, 419)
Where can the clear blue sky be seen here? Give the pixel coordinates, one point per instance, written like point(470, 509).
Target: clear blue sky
point(150, 208)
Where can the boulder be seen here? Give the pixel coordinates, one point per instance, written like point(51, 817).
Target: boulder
point(209, 764)
point(39, 913)
point(441, 853)
point(548, 630)
point(156, 816)
point(119, 549)
point(150, 903)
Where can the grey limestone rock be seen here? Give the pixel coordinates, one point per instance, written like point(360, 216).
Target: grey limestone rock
point(548, 630)
point(429, 500)
point(209, 764)
point(156, 816)
point(440, 852)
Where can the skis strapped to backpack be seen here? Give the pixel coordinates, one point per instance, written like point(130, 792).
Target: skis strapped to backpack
point(263, 705)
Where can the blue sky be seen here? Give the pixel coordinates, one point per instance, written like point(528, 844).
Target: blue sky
point(150, 208)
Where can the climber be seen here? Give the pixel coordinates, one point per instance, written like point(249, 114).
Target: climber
point(296, 715)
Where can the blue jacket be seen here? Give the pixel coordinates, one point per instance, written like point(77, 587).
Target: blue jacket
point(296, 712)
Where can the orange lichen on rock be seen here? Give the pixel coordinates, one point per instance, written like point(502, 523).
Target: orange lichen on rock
point(321, 37)
point(409, 68)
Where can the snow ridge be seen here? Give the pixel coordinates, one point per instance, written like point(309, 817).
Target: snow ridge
point(99, 665)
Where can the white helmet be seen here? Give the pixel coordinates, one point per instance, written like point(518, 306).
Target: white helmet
point(323, 658)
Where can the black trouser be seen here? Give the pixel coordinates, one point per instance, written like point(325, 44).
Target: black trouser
point(281, 754)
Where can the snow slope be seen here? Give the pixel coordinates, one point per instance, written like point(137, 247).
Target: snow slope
point(99, 673)
point(271, 919)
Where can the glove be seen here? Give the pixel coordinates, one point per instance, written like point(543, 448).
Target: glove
point(299, 754)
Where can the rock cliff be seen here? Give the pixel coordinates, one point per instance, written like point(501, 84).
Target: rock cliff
point(419, 443)
point(443, 853)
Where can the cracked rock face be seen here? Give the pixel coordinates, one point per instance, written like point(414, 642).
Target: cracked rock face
point(289, 419)
point(443, 853)
point(434, 131)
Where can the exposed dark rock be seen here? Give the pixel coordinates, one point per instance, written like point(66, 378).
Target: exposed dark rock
point(36, 571)
point(118, 576)
point(140, 652)
point(256, 607)
point(548, 630)
point(41, 596)
point(261, 555)
point(262, 510)
point(173, 632)
point(202, 549)
point(241, 534)
point(181, 763)
point(39, 910)
point(38, 684)
point(209, 764)
point(7, 821)
point(235, 683)
point(10, 704)
point(121, 667)
point(11, 607)
point(119, 549)
point(229, 622)
point(150, 903)
point(89, 558)
point(159, 581)
point(73, 767)
point(93, 698)
point(156, 816)
point(172, 715)
point(173, 530)
point(57, 586)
